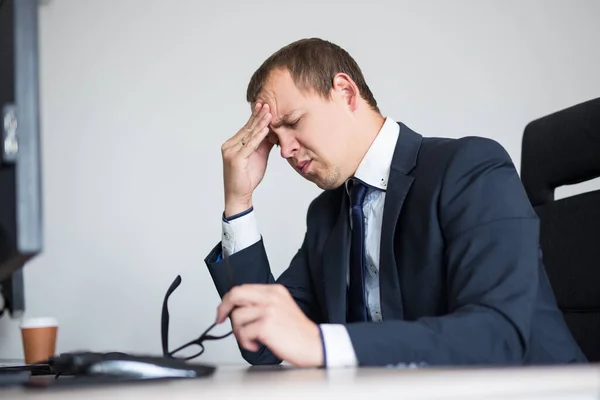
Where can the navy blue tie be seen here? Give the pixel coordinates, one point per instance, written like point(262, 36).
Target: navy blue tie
point(356, 309)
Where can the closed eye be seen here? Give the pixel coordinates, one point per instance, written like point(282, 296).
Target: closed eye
point(292, 125)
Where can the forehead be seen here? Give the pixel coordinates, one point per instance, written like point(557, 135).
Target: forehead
point(281, 93)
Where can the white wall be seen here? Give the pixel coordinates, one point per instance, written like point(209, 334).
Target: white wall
point(138, 96)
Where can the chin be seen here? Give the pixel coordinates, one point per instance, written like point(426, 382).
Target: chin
point(321, 186)
point(328, 183)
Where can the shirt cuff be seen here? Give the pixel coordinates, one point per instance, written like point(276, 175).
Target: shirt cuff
point(239, 233)
point(231, 218)
point(337, 346)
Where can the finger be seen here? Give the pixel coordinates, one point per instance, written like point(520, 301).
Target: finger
point(257, 108)
point(241, 316)
point(264, 148)
point(255, 119)
point(258, 118)
point(249, 335)
point(254, 142)
point(252, 346)
point(243, 131)
point(232, 145)
point(235, 143)
point(258, 126)
point(239, 296)
point(254, 114)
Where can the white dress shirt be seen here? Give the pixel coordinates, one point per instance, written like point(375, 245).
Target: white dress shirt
point(374, 170)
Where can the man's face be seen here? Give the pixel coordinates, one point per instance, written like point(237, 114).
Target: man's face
point(312, 132)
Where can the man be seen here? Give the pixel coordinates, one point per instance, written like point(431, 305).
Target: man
point(419, 251)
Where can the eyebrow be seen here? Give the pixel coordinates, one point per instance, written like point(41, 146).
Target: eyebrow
point(285, 119)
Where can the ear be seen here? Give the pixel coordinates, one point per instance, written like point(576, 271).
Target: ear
point(344, 88)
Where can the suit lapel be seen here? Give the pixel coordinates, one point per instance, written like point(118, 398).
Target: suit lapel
point(335, 262)
point(399, 183)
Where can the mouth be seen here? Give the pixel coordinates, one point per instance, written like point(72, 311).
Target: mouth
point(303, 166)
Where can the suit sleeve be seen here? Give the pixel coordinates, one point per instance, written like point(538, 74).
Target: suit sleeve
point(491, 237)
point(251, 265)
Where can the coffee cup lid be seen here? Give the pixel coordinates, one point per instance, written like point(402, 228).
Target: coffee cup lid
point(38, 322)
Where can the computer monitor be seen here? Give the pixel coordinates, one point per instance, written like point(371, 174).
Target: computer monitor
point(20, 163)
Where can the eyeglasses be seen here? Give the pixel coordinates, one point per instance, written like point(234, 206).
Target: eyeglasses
point(165, 329)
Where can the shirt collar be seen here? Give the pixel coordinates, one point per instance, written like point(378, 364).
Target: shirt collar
point(374, 169)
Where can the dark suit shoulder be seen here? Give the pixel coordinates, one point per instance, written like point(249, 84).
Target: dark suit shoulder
point(444, 159)
point(439, 157)
point(468, 149)
point(480, 185)
point(473, 158)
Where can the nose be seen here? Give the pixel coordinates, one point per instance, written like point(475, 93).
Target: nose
point(288, 146)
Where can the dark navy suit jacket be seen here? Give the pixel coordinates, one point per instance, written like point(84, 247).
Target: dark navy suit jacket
point(461, 274)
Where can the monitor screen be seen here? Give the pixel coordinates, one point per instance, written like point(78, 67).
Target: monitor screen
point(20, 163)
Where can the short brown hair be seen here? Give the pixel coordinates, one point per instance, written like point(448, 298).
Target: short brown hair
point(313, 63)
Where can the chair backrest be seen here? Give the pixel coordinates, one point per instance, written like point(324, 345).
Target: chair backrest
point(559, 149)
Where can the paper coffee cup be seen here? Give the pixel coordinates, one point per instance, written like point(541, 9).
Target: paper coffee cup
point(39, 338)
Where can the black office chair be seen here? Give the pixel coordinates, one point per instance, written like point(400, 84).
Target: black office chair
point(559, 149)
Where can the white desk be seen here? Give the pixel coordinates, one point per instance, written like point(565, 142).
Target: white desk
point(573, 383)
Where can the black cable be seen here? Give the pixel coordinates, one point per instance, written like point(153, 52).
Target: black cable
point(39, 368)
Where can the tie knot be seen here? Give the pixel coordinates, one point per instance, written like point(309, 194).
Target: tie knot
point(358, 192)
